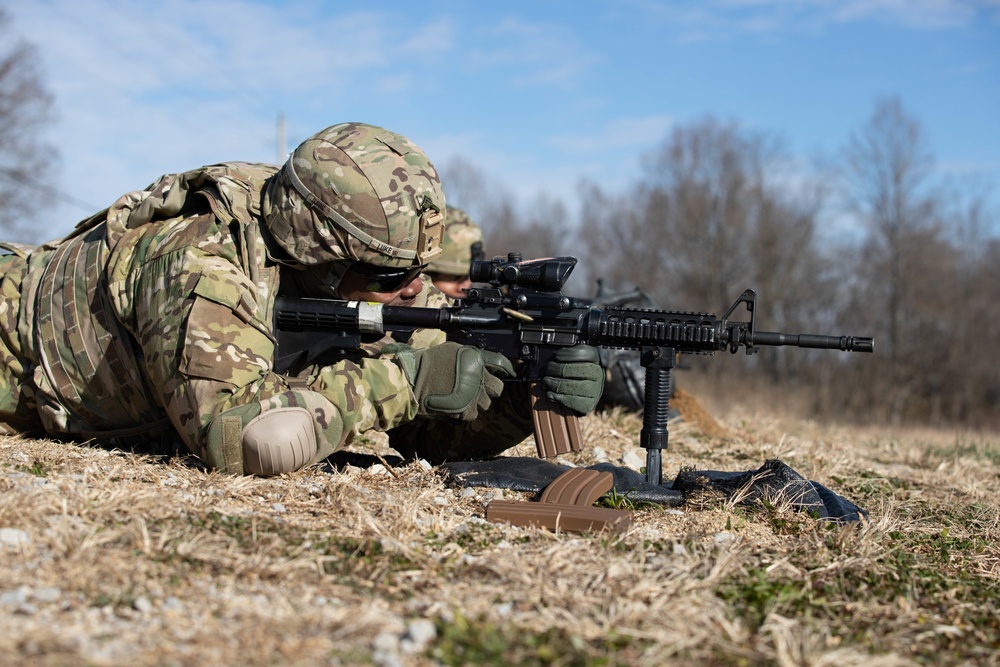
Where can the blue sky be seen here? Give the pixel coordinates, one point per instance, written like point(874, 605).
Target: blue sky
point(536, 94)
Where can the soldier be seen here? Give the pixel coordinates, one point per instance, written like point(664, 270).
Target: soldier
point(462, 242)
point(153, 319)
point(624, 383)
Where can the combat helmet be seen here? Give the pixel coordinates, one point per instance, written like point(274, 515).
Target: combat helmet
point(356, 192)
point(462, 242)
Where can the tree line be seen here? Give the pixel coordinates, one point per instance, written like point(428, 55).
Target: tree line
point(870, 242)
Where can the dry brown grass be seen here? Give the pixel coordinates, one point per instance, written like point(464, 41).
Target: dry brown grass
point(109, 558)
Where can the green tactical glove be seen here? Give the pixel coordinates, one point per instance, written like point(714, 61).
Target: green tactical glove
point(451, 379)
point(574, 378)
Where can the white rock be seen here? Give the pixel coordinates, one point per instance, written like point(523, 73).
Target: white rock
point(49, 594)
point(634, 459)
point(420, 632)
point(493, 494)
point(386, 641)
point(173, 604)
point(385, 650)
point(14, 537)
point(18, 596)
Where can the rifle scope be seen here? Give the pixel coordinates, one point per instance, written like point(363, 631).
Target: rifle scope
point(548, 274)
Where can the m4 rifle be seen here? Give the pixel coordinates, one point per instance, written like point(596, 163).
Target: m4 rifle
point(521, 313)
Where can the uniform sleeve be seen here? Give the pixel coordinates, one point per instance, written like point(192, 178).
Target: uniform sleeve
point(209, 350)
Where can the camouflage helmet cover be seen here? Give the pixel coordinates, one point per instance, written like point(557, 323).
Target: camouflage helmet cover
point(357, 192)
point(460, 235)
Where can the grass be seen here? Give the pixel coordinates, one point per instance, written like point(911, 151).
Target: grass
point(483, 642)
point(155, 561)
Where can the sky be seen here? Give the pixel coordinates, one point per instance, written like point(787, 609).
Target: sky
point(536, 94)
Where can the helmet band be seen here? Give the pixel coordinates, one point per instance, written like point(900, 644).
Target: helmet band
point(324, 209)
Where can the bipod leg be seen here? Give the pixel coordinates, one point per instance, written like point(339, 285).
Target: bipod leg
point(654, 435)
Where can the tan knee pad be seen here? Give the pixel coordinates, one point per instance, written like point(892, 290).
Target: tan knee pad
point(279, 440)
point(252, 440)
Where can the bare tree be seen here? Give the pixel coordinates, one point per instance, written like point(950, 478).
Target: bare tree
point(24, 108)
point(489, 205)
point(709, 218)
point(543, 230)
point(466, 186)
point(966, 321)
point(540, 229)
point(976, 378)
point(889, 167)
point(619, 237)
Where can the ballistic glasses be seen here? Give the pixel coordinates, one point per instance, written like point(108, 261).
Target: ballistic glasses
point(385, 279)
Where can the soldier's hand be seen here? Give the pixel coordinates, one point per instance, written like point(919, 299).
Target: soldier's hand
point(574, 378)
point(453, 380)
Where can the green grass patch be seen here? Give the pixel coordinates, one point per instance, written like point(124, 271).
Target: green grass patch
point(962, 448)
point(465, 641)
point(37, 468)
point(937, 574)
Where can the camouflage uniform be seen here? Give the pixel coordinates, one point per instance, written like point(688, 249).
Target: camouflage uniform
point(154, 317)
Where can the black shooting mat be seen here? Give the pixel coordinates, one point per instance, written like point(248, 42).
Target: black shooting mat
point(772, 480)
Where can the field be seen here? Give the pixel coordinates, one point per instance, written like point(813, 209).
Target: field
point(112, 558)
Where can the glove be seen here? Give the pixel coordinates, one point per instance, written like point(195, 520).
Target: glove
point(451, 379)
point(574, 378)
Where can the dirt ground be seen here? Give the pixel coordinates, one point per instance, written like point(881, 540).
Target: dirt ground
point(110, 558)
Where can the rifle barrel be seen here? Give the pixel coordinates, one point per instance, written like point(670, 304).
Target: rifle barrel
point(816, 341)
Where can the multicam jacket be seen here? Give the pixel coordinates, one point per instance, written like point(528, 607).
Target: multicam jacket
point(154, 317)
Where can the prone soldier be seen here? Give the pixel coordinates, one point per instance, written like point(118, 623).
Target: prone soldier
point(152, 320)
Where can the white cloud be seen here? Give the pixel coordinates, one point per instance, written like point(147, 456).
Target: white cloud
point(540, 54)
point(145, 89)
point(431, 41)
point(908, 13)
point(628, 134)
point(724, 19)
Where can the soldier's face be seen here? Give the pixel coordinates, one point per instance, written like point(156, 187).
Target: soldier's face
point(451, 285)
point(356, 286)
